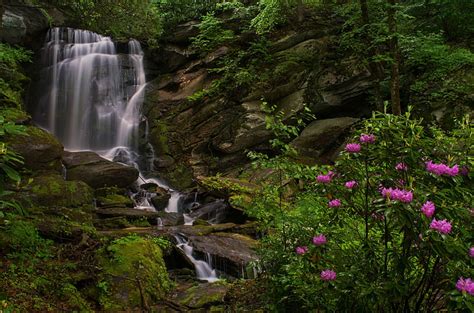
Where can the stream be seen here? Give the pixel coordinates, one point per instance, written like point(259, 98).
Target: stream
point(91, 98)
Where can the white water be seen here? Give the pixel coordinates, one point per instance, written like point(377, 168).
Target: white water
point(204, 269)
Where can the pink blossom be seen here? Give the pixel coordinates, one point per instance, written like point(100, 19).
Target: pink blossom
point(428, 208)
point(301, 250)
point(466, 285)
point(351, 184)
point(471, 252)
point(442, 169)
point(401, 167)
point(328, 275)
point(353, 147)
point(367, 138)
point(401, 195)
point(334, 203)
point(325, 179)
point(319, 240)
point(442, 226)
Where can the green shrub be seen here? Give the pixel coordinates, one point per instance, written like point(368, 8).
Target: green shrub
point(387, 253)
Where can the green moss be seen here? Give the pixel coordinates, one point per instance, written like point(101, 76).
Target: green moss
point(116, 200)
point(52, 190)
point(199, 297)
point(181, 177)
point(159, 138)
point(130, 264)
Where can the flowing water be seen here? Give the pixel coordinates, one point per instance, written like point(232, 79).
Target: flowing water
point(91, 98)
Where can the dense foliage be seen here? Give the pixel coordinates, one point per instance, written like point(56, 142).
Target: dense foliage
point(387, 228)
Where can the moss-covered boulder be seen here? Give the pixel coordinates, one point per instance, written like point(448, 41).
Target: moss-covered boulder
point(40, 150)
point(51, 190)
point(133, 274)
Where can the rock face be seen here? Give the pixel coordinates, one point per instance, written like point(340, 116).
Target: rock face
point(40, 150)
point(96, 171)
point(193, 138)
point(22, 23)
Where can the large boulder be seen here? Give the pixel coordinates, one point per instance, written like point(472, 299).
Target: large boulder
point(230, 252)
point(40, 150)
point(96, 171)
point(51, 190)
point(321, 135)
point(135, 274)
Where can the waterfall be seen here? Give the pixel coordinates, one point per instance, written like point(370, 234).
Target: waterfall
point(91, 95)
point(204, 269)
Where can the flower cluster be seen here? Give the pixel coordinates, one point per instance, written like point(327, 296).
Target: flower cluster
point(401, 195)
point(350, 184)
point(367, 138)
point(334, 203)
point(353, 147)
point(328, 275)
point(402, 167)
point(441, 226)
point(466, 285)
point(471, 252)
point(442, 169)
point(428, 209)
point(325, 179)
point(301, 250)
point(319, 240)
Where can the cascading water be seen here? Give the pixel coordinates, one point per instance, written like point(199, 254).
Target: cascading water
point(204, 269)
point(91, 102)
point(91, 97)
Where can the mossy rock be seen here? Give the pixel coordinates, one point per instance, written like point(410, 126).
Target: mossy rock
point(51, 190)
point(40, 150)
point(114, 200)
point(133, 274)
point(204, 295)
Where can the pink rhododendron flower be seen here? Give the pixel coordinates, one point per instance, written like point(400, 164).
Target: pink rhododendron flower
point(319, 240)
point(442, 169)
point(471, 252)
point(401, 195)
point(466, 285)
point(301, 250)
point(328, 275)
point(351, 184)
point(401, 167)
point(428, 209)
point(325, 179)
point(367, 138)
point(334, 203)
point(353, 147)
point(442, 226)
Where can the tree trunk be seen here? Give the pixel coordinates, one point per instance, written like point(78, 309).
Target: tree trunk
point(375, 68)
point(395, 52)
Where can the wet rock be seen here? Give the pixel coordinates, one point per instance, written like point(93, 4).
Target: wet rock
point(129, 214)
point(171, 219)
point(217, 212)
point(40, 150)
point(231, 253)
point(160, 201)
point(96, 171)
point(184, 32)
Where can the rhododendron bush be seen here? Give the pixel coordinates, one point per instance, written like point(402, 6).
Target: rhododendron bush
point(387, 228)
